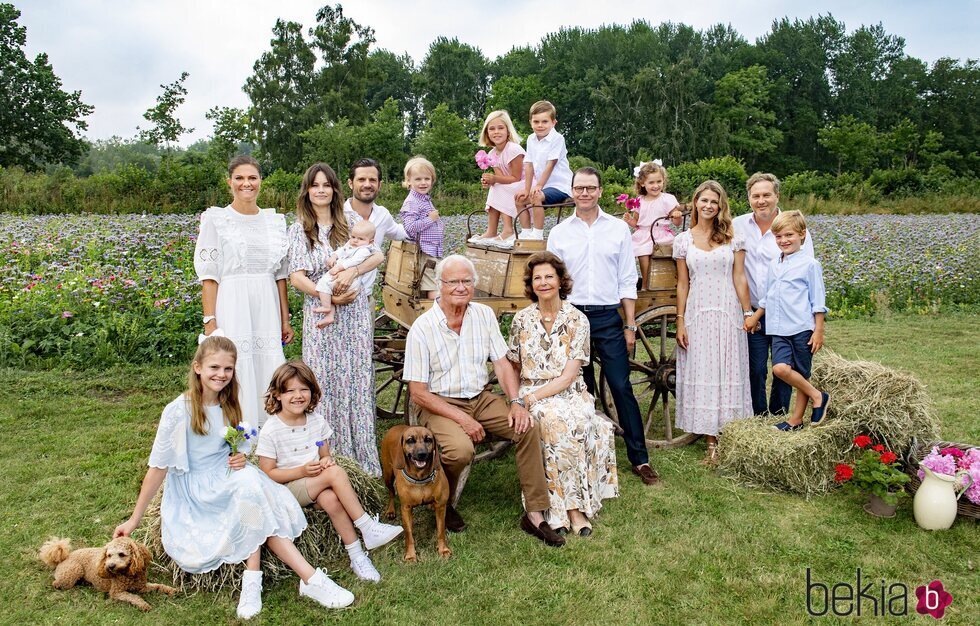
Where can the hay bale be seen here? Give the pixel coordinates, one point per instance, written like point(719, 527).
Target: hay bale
point(866, 398)
point(319, 543)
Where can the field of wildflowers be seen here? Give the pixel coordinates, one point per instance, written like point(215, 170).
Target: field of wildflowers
point(93, 290)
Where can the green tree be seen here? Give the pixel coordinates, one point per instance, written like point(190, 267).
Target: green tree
point(742, 103)
point(854, 143)
point(516, 94)
point(115, 153)
point(283, 96)
point(231, 131)
point(38, 120)
point(446, 141)
point(292, 90)
point(951, 106)
point(166, 129)
point(341, 143)
point(455, 74)
point(391, 77)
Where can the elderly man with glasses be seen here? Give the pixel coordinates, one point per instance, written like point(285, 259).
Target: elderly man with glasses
point(598, 251)
point(446, 356)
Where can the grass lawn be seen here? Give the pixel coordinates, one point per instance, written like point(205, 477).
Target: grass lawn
point(700, 550)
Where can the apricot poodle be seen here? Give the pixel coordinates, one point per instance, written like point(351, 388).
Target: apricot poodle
point(118, 568)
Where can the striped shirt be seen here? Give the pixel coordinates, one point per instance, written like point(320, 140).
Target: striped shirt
point(292, 446)
point(453, 365)
point(422, 230)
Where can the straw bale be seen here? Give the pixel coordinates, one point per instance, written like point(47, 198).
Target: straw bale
point(866, 398)
point(319, 543)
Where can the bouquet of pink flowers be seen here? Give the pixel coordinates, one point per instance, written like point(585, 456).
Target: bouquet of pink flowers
point(485, 160)
point(630, 204)
point(950, 460)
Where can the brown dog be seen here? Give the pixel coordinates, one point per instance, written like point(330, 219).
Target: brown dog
point(118, 568)
point(410, 465)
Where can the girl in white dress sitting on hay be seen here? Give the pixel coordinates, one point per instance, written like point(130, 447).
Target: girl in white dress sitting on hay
point(217, 508)
point(294, 450)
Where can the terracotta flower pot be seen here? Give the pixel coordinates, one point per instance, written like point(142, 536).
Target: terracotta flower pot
point(879, 508)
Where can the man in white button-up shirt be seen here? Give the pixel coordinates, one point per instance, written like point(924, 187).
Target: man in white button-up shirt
point(365, 185)
point(760, 250)
point(597, 249)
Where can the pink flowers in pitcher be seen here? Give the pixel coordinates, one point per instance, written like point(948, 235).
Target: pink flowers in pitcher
point(485, 160)
point(950, 460)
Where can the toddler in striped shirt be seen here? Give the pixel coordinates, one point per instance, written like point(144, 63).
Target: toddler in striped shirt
point(421, 219)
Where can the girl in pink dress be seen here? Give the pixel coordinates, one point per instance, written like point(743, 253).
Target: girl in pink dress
point(506, 179)
point(651, 180)
point(712, 300)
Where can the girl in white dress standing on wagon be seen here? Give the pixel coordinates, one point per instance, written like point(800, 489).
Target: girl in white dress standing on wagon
point(240, 259)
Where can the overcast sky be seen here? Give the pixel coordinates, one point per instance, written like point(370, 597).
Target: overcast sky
point(118, 52)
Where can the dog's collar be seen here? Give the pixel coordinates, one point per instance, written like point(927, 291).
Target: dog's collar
point(424, 481)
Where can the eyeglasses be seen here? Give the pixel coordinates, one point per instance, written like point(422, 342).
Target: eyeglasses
point(580, 190)
point(462, 282)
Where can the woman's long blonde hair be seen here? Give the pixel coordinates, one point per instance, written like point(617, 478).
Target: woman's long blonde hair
point(227, 397)
point(722, 232)
point(307, 216)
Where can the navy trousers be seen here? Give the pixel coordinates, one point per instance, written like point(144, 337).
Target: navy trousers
point(609, 344)
point(760, 346)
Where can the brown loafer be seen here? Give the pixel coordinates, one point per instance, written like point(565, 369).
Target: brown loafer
point(542, 531)
point(646, 474)
point(454, 522)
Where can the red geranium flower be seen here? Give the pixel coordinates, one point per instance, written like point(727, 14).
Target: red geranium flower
point(954, 452)
point(862, 441)
point(843, 472)
point(888, 458)
point(878, 448)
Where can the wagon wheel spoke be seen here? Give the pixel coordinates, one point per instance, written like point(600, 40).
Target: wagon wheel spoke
point(652, 376)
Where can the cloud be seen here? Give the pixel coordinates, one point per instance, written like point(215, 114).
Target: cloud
point(118, 53)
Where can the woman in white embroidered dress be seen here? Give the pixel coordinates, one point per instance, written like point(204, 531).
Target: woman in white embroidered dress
point(240, 259)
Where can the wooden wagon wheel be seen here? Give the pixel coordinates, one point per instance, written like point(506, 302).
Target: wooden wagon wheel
point(652, 376)
point(389, 362)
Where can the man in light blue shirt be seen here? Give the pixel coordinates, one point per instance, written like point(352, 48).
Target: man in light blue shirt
point(794, 304)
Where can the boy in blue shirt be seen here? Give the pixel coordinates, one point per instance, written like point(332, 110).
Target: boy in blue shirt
point(794, 305)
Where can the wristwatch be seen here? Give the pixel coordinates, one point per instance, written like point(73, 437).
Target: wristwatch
point(518, 401)
point(748, 313)
point(207, 318)
point(629, 327)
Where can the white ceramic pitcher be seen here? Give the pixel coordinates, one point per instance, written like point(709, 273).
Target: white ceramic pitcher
point(934, 505)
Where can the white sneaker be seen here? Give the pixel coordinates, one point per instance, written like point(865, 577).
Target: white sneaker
point(502, 243)
point(250, 602)
point(377, 534)
point(364, 568)
point(476, 239)
point(525, 234)
point(325, 591)
point(535, 235)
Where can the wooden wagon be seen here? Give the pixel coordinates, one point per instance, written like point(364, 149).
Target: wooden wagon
point(500, 286)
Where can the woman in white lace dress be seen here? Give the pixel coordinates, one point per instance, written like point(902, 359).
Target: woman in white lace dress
point(712, 299)
point(240, 259)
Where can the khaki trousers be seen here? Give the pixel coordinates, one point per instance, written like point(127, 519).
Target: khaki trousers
point(457, 448)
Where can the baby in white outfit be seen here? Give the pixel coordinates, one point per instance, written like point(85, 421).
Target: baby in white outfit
point(358, 248)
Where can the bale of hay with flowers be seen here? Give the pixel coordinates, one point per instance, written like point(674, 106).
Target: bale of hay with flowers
point(867, 398)
point(319, 543)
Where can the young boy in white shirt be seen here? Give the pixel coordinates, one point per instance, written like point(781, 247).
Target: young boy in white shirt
point(795, 306)
point(546, 171)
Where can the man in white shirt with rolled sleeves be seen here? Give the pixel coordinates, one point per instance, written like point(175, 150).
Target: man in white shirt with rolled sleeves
point(597, 249)
point(760, 249)
point(365, 185)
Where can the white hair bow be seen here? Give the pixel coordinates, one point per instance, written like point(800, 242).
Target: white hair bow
point(217, 333)
point(636, 170)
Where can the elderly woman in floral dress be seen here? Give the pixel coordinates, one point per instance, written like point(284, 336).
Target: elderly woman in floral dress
point(549, 344)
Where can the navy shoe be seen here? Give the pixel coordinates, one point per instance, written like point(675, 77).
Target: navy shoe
point(787, 427)
point(818, 412)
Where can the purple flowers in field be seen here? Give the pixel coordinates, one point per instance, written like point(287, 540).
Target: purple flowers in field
point(94, 289)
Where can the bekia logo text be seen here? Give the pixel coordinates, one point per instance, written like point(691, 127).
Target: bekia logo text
point(871, 597)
